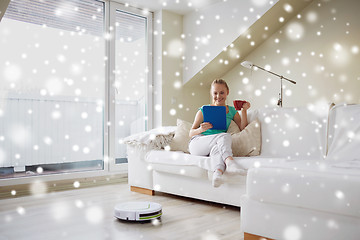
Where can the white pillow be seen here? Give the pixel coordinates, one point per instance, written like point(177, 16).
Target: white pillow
point(248, 141)
point(293, 133)
point(344, 133)
point(233, 128)
point(180, 142)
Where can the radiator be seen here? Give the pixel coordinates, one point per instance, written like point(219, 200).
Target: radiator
point(34, 132)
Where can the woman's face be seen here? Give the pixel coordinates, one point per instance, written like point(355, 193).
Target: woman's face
point(219, 94)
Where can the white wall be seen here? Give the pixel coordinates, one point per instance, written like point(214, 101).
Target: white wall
point(171, 99)
point(171, 66)
point(209, 30)
point(319, 50)
point(157, 76)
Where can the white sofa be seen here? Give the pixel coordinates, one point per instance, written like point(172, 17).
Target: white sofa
point(305, 184)
point(288, 134)
point(313, 198)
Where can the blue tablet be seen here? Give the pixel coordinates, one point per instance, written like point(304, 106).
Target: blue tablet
point(216, 115)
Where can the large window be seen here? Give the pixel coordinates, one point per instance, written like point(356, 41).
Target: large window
point(131, 81)
point(55, 67)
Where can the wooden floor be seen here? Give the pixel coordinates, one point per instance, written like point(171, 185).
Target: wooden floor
point(88, 214)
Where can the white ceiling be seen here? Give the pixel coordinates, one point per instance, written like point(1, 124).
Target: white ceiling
point(181, 7)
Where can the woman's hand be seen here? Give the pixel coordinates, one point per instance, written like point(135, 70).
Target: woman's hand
point(199, 126)
point(205, 126)
point(246, 106)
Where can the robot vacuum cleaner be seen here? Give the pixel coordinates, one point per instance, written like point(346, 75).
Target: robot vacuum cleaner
point(138, 211)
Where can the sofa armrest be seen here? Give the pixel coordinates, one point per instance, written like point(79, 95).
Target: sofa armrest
point(138, 145)
point(139, 171)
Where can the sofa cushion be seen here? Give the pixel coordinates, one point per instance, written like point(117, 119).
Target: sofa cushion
point(184, 164)
point(344, 133)
point(233, 128)
point(183, 170)
point(180, 159)
point(293, 133)
point(307, 184)
point(180, 142)
point(177, 158)
point(248, 141)
point(180, 163)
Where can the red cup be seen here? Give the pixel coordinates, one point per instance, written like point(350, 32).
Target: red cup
point(238, 104)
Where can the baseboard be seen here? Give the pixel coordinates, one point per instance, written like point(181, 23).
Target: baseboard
point(249, 236)
point(21, 190)
point(142, 190)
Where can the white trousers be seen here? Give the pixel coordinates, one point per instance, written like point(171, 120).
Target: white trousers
point(217, 146)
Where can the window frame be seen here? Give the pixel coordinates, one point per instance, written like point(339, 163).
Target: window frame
point(113, 7)
point(110, 167)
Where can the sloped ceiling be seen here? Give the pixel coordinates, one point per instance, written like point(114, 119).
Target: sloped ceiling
point(3, 5)
point(237, 51)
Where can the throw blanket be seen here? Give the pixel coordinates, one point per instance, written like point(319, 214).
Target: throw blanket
point(156, 138)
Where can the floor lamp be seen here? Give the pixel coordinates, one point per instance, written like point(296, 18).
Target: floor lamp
point(250, 65)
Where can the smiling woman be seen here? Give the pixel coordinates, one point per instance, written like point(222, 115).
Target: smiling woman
point(206, 141)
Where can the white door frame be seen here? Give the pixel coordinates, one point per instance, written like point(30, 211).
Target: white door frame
point(109, 153)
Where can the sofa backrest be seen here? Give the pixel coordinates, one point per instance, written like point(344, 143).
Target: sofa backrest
point(344, 133)
point(293, 133)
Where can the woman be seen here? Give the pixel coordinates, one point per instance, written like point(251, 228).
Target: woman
point(217, 143)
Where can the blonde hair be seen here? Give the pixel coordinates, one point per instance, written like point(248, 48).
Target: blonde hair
point(220, 81)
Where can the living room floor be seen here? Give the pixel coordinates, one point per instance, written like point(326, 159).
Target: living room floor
point(88, 214)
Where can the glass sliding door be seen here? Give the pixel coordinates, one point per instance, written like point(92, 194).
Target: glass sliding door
point(131, 75)
point(52, 84)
